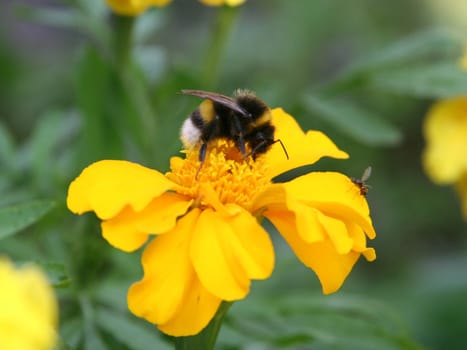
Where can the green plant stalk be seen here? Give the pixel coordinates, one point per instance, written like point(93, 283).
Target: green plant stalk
point(123, 39)
point(206, 339)
point(219, 36)
point(134, 87)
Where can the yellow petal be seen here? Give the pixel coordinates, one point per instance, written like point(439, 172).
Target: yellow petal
point(129, 230)
point(309, 225)
point(29, 312)
point(359, 241)
point(134, 7)
point(222, 2)
point(251, 246)
point(303, 149)
point(445, 131)
point(168, 274)
point(109, 185)
point(198, 308)
point(273, 197)
point(211, 255)
point(331, 267)
point(337, 232)
point(335, 195)
point(122, 234)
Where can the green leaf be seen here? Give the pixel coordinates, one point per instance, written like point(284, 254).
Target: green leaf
point(87, 16)
point(420, 47)
point(56, 272)
point(148, 25)
point(356, 122)
point(64, 18)
point(44, 153)
point(434, 81)
point(130, 332)
point(62, 345)
point(92, 338)
point(331, 322)
point(411, 48)
point(7, 148)
point(15, 218)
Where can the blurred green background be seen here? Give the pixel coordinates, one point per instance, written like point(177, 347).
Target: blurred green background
point(364, 72)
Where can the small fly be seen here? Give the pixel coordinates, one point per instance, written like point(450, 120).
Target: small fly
point(361, 183)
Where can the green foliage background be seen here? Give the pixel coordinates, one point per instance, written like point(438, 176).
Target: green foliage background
point(364, 72)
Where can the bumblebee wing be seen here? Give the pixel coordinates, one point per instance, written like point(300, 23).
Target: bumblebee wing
point(215, 97)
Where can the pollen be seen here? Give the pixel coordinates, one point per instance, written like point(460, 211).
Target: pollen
point(234, 178)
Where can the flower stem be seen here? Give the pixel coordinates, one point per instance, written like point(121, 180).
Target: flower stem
point(206, 339)
point(123, 39)
point(134, 87)
point(219, 37)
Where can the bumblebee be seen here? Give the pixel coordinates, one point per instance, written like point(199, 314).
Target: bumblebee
point(244, 119)
point(361, 183)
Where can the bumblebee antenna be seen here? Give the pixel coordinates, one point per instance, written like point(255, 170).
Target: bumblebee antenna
point(283, 147)
point(253, 151)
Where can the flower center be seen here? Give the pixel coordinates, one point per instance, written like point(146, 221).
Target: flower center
point(233, 178)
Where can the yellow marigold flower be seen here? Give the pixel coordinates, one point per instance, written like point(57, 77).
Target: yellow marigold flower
point(444, 157)
point(134, 7)
point(209, 243)
point(223, 2)
point(28, 309)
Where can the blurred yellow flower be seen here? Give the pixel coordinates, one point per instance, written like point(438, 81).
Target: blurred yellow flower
point(445, 155)
point(209, 243)
point(134, 7)
point(222, 2)
point(28, 309)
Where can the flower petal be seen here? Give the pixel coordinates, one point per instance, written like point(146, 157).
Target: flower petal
point(222, 2)
point(168, 273)
point(335, 195)
point(210, 255)
point(303, 149)
point(331, 267)
point(198, 308)
point(108, 185)
point(359, 241)
point(275, 198)
point(129, 230)
point(221, 262)
point(337, 232)
point(445, 131)
point(132, 7)
point(251, 247)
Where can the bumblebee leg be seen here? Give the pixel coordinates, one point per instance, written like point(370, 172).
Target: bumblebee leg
point(201, 157)
point(202, 152)
point(241, 145)
point(239, 140)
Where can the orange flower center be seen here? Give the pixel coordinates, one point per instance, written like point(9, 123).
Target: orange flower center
point(233, 178)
